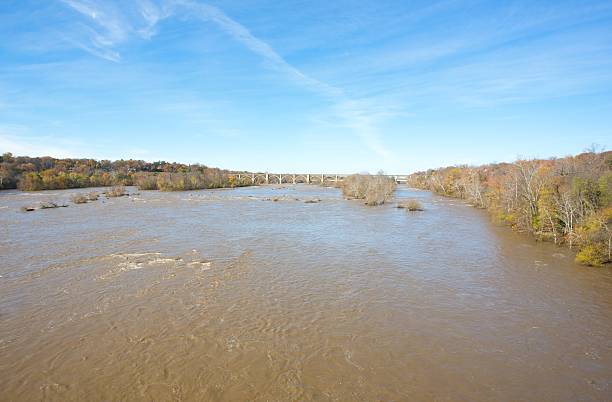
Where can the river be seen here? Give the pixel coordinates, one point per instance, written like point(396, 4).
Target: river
point(254, 294)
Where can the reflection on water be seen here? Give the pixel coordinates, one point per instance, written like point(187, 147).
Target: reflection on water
point(254, 294)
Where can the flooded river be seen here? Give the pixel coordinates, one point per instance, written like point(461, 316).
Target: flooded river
point(228, 295)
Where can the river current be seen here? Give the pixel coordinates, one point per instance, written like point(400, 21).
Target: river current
point(255, 294)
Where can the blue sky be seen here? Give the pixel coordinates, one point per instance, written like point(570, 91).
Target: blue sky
point(334, 86)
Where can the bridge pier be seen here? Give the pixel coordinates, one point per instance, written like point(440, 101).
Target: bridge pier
point(294, 178)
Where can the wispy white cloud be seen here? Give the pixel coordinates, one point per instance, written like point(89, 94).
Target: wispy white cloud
point(514, 52)
point(353, 114)
point(116, 29)
point(363, 120)
point(241, 34)
point(559, 68)
point(151, 14)
point(102, 52)
point(372, 66)
point(111, 25)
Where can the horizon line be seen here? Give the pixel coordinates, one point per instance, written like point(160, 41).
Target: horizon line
point(595, 148)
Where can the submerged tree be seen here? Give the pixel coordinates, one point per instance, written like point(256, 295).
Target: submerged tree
point(374, 189)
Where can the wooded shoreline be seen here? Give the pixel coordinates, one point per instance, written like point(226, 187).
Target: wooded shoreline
point(567, 201)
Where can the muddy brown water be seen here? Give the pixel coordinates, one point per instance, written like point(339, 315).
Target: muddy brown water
point(227, 295)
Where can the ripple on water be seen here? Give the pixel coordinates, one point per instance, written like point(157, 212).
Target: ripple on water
point(228, 295)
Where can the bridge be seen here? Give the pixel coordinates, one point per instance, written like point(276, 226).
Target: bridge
point(295, 178)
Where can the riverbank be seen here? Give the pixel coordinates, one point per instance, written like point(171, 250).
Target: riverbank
point(566, 201)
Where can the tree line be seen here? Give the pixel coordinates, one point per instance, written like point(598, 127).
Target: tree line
point(47, 173)
point(567, 200)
